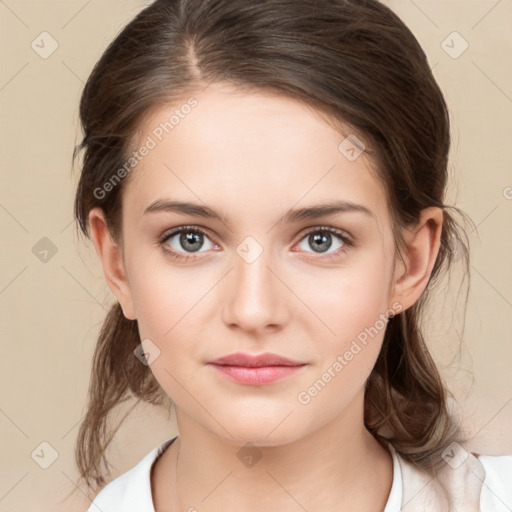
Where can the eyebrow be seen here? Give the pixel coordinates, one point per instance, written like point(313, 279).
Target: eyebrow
point(292, 215)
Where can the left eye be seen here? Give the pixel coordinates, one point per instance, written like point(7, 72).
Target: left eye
point(321, 240)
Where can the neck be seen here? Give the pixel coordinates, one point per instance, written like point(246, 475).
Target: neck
point(329, 469)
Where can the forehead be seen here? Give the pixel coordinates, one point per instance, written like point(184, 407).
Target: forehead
point(240, 152)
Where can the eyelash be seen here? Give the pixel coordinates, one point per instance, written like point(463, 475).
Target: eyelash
point(347, 242)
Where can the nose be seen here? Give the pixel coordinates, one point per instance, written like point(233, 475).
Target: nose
point(257, 298)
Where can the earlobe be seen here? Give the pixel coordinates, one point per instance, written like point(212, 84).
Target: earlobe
point(422, 247)
point(111, 259)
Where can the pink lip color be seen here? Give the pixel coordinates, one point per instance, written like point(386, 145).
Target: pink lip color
point(256, 376)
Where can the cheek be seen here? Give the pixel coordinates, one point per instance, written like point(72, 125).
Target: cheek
point(347, 300)
point(165, 298)
point(346, 359)
point(352, 306)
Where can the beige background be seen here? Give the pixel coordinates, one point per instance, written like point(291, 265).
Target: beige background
point(51, 311)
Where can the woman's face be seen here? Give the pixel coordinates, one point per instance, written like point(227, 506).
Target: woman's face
point(251, 276)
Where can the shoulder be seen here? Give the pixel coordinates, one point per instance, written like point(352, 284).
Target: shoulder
point(130, 491)
point(469, 482)
point(497, 486)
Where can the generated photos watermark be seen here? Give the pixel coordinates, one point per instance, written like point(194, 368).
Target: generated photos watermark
point(342, 360)
point(151, 142)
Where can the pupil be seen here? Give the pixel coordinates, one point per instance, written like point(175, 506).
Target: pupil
point(319, 239)
point(187, 241)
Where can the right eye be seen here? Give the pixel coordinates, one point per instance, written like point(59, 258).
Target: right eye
point(191, 238)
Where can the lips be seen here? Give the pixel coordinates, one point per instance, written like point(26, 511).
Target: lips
point(257, 370)
point(249, 361)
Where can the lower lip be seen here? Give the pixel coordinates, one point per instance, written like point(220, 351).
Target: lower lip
point(257, 376)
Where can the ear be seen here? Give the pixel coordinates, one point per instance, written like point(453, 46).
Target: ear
point(111, 258)
point(423, 242)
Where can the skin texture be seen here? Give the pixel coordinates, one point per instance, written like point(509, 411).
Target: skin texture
point(252, 157)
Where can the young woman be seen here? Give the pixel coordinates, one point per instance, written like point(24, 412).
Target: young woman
point(263, 183)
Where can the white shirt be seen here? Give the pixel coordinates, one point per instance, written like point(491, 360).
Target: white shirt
point(482, 483)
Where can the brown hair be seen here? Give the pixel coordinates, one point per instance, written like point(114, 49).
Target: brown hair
point(353, 60)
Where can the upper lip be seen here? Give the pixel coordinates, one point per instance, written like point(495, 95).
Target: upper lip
point(247, 360)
